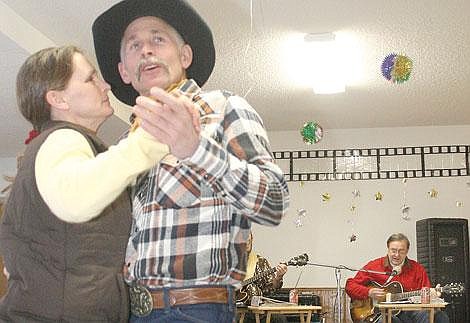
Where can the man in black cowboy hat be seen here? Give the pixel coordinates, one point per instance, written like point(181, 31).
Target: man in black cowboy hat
point(192, 212)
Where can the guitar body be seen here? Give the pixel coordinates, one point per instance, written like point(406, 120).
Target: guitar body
point(245, 294)
point(363, 310)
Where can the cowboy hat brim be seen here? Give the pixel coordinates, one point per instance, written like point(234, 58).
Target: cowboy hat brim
point(110, 26)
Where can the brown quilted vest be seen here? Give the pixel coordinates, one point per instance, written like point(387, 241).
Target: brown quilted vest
point(62, 272)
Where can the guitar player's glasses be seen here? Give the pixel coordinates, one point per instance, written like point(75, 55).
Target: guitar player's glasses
point(398, 251)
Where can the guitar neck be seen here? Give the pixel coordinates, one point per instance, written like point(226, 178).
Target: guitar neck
point(404, 295)
point(300, 260)
point(259, 276)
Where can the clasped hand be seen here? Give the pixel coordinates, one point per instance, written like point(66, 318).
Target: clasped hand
point(376, 293)
point(173, 121)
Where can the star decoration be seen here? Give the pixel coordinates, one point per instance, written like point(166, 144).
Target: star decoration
point(301, 212)
point(352, 238)
point(405, 210)
point(379, 196)
point(356, 193)
point(433, 193)
point(326, 197)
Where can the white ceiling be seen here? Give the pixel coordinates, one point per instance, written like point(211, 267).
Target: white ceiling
point(250, 38)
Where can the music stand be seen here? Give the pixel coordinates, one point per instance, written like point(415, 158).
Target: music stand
point(338, 282)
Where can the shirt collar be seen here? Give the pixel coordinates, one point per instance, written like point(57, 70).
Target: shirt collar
point(387, 263)
point(190, 89)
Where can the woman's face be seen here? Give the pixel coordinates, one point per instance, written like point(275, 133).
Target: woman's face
point(86, 95)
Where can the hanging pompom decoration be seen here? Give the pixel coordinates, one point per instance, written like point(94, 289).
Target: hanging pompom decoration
point(396, 68)
point(311, 132)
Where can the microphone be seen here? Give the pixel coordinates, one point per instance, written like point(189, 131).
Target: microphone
point(396, 270)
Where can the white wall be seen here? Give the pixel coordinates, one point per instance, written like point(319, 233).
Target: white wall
point(8, 168)
point(325, 233)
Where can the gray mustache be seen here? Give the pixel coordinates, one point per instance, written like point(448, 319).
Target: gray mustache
point(152, 60)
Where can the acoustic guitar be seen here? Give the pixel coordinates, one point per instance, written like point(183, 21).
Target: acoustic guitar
point(248, 289)
point(363, 310)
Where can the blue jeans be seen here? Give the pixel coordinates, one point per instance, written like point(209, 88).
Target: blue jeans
point(196, 313)
point(420, 317)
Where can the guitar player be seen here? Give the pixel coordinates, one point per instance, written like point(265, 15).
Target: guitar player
point(265, 286)
point(394, 267)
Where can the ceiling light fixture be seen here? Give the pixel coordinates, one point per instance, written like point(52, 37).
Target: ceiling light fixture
point(324, 63)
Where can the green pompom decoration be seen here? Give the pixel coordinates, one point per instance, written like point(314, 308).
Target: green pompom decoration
point(311, 132)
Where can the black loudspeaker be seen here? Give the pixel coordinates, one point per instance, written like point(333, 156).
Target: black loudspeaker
point(442, 248)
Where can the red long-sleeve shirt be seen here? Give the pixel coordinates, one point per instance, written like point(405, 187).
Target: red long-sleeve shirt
point(412, 277)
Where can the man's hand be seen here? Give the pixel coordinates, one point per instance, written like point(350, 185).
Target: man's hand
point(376, 293)
point(281, 270)
point(6, 273)
point(434, 293)
point(172, 121)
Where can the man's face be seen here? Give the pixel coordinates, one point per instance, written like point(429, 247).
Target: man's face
point(397, 252)
point(152, 54)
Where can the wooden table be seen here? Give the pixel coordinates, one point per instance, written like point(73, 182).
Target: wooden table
point(304, 311)
point(387, 308)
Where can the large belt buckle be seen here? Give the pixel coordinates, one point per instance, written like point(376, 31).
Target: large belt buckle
point(141, 300)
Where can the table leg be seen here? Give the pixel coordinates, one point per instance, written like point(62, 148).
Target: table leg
point(242, 317)
point(431, 315)
point(257, 318)
point(309, 317)
point(302, 319)
point(386, 314)
point(268, 317)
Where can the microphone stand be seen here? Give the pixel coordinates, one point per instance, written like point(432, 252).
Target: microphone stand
point(338, 282)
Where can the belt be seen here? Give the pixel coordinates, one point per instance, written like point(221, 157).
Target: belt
point(144, 300)
point(186, 296)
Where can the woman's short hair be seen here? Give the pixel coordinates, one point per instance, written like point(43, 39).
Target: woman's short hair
point(48, 69)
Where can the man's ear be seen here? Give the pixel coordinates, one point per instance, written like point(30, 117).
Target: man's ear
point(124, 75)
point(56, 100)
point(186, 56)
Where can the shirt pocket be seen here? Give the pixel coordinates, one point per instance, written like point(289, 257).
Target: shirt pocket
point(177, 187)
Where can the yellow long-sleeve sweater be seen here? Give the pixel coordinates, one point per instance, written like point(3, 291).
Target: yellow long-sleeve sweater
point(77, 185)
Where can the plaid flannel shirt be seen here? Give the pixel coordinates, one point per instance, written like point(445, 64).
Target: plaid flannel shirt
point(191, 218)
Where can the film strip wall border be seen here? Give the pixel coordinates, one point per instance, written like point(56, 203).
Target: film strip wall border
point(374, 163)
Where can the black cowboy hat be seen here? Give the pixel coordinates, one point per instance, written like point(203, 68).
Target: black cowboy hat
point(110, 26)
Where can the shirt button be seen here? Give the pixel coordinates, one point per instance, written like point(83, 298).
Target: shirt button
point(206, 176)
